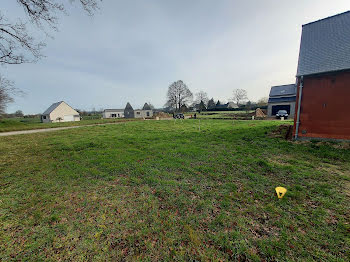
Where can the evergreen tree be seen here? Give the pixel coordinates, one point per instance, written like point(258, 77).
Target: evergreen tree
point(211, 104)
point(202, 106)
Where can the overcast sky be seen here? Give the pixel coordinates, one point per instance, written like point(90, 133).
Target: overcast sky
point(133, 50)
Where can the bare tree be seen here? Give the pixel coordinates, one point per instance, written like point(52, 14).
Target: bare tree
point(17, 46)
point(7, 89)
point(263, 101)
point(178, 95)
point(239, 95)
point(201, 96)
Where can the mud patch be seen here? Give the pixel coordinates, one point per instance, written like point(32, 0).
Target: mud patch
point(282, 131)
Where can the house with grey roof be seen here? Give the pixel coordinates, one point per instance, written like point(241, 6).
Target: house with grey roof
point(323, 80)
point(129, 111)
point(282, 98)
point(145, 112)
point(60, 112)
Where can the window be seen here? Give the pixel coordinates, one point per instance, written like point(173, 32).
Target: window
point(44, 117)
point(114, 115)
point(138, 113)
point(147, 113)
point(118, 115)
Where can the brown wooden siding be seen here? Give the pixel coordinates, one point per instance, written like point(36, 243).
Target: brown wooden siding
point(325, 106)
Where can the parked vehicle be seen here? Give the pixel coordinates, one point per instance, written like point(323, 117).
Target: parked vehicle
point(282, 113)
point(179, 116)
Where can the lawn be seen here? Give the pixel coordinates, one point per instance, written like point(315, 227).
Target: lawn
point(165, 190)
point(240, 115)
point(16, 124)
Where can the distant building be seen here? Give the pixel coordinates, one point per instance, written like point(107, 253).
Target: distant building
point(113, 113)
point(227, 106)
point(232, 105)
point(282, 98)
point(145, 112)
point(129, 111)
point(323, 78)
point(60, 112)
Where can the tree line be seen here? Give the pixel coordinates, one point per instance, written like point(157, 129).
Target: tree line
point(180, 98)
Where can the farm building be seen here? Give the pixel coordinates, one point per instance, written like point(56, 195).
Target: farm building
point(113, 113)
point(145, 112)
point(282, 98)
point(323, 78)
point(60, 112)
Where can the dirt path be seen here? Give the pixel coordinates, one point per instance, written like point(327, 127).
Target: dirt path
point(43, 130)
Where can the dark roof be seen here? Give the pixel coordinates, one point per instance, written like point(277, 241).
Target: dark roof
point(325, 45)
point(146, 107)
point(128, 106)
point(284, 90)
point(282, 99)
point(222, 106)
point(51, 108)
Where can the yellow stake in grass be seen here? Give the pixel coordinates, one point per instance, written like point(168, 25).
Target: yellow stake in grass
point(281, 191)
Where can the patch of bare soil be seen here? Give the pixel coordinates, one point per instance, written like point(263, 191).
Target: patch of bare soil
point(340, 145)
point(283, 131)
point(162, 115)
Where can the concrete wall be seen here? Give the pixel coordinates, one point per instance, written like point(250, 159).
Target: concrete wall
point(45, 119)
point(108, 114)
point(143, 113)
point(324, 111)
point(61, 111)
point(291, 104)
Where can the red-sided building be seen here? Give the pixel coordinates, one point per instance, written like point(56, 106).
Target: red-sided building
point(323, 80)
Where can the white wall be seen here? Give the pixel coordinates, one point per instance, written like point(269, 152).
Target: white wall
point(64, 110)
point(108, 114)
point(143, 113)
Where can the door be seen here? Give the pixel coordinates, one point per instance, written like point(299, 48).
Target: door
point(276, 108)
point(68, 118)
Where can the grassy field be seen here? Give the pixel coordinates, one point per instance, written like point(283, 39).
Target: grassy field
point(224, 114)
point(163, 190)
point(16, 124)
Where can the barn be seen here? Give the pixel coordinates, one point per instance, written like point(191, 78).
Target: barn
point(323, 80)
point(282, 98)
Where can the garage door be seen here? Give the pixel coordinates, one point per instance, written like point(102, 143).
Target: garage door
point(275, 109)
point(68, 118)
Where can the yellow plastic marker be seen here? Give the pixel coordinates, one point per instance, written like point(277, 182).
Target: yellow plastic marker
point(281, 191)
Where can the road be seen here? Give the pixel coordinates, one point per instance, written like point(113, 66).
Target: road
point(23, 132)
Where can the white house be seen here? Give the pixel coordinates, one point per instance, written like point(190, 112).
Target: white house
point(145, 112)
point(140, 113)
point(113, 113)
point(232, 105)
point(60, 112)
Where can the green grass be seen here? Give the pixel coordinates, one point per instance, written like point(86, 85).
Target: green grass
point(224, 114)
point(163, 190)
point(16, 124)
